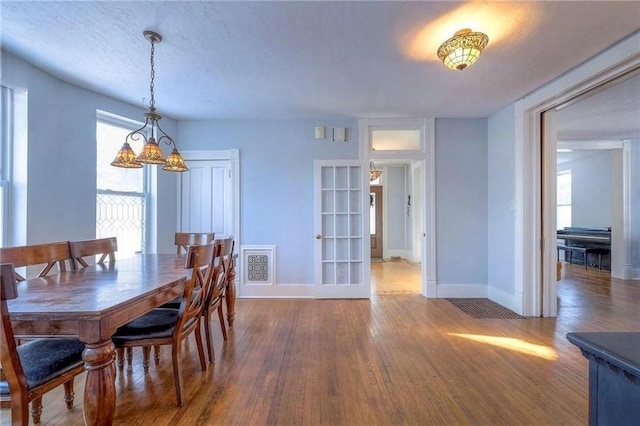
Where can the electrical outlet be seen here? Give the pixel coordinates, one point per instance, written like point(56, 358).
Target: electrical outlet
point(340, 272)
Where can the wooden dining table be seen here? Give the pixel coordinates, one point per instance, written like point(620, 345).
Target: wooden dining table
point(91, 304)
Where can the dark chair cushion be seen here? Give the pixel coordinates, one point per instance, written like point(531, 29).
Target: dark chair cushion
point(45, 359)
point(155, 324)
point(172, 304)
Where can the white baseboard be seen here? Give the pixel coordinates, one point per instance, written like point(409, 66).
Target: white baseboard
point(630, 273)
point(503, 298)
point(299, 291)
point(461, 290)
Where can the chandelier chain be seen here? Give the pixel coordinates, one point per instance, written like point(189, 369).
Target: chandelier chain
point(152, 102)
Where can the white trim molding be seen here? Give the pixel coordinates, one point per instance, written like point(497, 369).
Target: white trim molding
point(530, 281)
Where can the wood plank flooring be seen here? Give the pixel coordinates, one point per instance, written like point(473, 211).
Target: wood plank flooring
point(394, 359)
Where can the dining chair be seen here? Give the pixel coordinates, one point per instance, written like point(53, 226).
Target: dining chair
point(183, 240)
point(34, 368)
point(214, 299)
point(48, 254)
point(164, 326)
point(105, 247)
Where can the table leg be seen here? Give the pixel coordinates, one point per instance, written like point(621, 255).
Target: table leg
point(100, 389)
point(231, 294)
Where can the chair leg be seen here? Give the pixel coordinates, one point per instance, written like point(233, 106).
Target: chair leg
point(120, 358)
point(130, 358)
point(36, 409)
point(177, 374)
point(156, 354)
point(68, 393)
point(20, 409)
point(146, 352)
point(203, 361)
point(207, 334)
point(222, 326)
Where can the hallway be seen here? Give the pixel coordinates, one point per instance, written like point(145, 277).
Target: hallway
point(395, 276)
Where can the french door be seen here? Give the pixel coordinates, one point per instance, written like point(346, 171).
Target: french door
point(339, 223)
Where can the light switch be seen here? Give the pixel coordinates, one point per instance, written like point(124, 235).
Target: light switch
point(339, 134)
point(320, 132)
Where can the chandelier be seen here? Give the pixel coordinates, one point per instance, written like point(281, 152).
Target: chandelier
point(373, 172)
point(463, 49)
point(151, 153)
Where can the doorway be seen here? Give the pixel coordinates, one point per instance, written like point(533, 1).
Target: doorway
point(395, 249)
point(375, 222)
point(406, 148)
point(536, 202)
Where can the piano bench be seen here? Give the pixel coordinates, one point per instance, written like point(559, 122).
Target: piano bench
point(584, 250)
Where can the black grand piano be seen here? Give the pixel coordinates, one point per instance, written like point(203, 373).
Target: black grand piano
point(587, 246)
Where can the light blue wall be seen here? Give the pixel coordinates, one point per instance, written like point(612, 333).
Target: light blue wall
point(276, 180)
point(501, 197)
point(461, 200)
point(61, 196)
point(590, 189)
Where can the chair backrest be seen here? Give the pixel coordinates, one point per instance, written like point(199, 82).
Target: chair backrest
point(185, 239)
point(11, 366)
point(48, 254)
point(101, 246)
point(226, 254)
point(200, 261)
point(218, 281)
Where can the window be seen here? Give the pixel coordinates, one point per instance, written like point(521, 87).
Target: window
point(563, 214)
point(6, 136)
point(122, 195)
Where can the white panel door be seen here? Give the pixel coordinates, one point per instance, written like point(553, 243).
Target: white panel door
point(340, 229)
point(205, 198)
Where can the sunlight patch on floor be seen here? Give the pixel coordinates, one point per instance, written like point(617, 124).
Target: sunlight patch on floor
point(513, 344)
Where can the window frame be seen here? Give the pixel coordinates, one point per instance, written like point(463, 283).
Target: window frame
point(559, 174)
point(146, 194)
point(6, 144)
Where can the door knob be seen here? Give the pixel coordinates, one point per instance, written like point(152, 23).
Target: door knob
point(319, 236)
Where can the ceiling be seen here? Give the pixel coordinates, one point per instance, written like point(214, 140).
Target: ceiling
point(234, 60)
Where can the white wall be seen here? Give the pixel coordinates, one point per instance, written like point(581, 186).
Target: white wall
point(591, 180)
point(634, 211)
point(276, 181)
point(395, 193)
point(461, 205)
point(501, 196)
point(61, 193)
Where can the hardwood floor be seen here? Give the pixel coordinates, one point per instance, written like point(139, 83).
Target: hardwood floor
point(393, 359)
point(395, 276)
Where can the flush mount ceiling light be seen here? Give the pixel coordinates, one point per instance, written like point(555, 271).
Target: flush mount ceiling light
point(151, 153)
point(373, 172)
point(463, 49)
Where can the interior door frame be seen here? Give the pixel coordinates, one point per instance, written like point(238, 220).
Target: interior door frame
point(530, 280)
point(426, 156)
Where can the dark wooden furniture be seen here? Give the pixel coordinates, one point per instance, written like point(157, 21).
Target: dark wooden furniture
point(48, 254)
point(183, 240)
point(164, 326)
point(580, 242)
point(106, 247)
point(216, 292)
point(614, 376)
point(92, 303)
point(229, 269)
point(32, 369)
